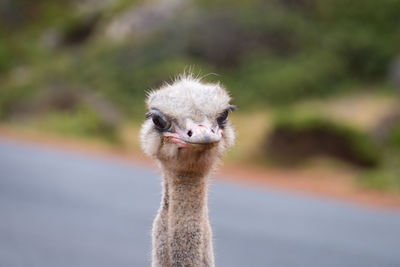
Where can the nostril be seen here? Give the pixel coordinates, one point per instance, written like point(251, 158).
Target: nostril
point(212, 130)
point(190, 133)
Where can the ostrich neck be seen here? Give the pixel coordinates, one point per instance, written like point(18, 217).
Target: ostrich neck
point(185, 195)
point(185, 210)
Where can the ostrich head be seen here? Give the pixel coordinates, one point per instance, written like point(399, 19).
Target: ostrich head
point(187, 128)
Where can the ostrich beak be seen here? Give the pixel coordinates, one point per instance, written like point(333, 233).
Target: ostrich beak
point(195, 135)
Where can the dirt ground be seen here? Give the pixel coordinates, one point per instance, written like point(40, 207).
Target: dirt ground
point(323, 183)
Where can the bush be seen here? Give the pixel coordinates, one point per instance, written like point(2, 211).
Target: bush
point(295, 138)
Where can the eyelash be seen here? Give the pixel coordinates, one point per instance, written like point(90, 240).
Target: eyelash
point(222, 118)
point(158, 120)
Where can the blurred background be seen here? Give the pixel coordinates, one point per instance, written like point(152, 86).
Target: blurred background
point(317, 82)
point(318, 77)
point(313, 79)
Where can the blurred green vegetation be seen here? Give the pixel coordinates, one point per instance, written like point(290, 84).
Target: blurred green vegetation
point(83, 122)
point(394, 136)
point(270, 54)
point(298, 136)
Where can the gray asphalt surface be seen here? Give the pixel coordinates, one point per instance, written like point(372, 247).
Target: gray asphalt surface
point(61, 209)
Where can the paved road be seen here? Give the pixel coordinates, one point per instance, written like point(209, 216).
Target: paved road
point(60, 209)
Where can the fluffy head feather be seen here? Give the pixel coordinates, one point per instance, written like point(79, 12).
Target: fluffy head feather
point(189, 108)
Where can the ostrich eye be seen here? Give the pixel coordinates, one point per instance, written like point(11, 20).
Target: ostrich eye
point(221, 120)
point(161, 123)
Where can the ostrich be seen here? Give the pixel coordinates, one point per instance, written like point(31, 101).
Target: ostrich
point(187, 131)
